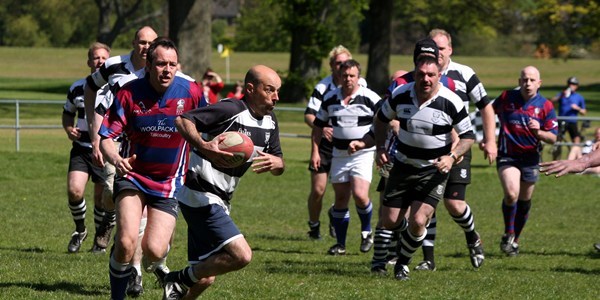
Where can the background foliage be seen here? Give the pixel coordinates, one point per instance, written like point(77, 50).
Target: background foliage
point(481, 27)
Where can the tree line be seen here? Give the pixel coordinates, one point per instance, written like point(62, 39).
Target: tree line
point(309, 29)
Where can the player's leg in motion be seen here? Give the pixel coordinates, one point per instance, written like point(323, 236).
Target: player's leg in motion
point(341, 216)
point(364, 208)
point(76, 181)
point(412, 237)
point(511, 184)
point(460, 211)
point(315, 202)
point(428, 263)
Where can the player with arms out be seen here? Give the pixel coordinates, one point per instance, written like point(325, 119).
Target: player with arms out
point(215, 244)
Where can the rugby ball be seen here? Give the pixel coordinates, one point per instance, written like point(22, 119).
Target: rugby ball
point(239, 144)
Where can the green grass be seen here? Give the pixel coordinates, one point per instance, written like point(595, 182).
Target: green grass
point(556, 258)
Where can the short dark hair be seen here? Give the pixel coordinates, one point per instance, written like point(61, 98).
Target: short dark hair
point(349, 64)
point(163, 42)
point(426, 60)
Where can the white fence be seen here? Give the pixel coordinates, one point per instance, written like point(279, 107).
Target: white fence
point(18, 126)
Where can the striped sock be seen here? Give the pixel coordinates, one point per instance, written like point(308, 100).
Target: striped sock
point(381, 244)
point(78, 210)
point(98, 216)
point(408, 245)
point(429, 241)
point(119, 277)
point(467, 223)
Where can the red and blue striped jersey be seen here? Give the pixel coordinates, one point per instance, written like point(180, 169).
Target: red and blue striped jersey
point(516, 139)
point(148, 120)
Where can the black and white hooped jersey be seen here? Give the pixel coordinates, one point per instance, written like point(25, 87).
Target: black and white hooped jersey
point(324, 86)
point(110, 72)
point(75, 107)
point(207, 184)
point(349, 121)
point(425, 130)
point(468, 86)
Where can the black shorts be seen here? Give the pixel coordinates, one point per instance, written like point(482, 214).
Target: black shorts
point(325, 150)
point(210, 228)
point(461, 173)
point(80, 159)
point(168, 205)
point(571, 128)
point(455, 191)
point(407, 184)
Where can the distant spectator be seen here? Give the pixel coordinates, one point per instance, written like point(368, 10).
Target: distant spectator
point(213, 84)
point(238, 90)
point(570, 104)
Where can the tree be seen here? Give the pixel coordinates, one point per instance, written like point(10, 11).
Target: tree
point(313, 26)
point(380, 31)
point(190, 28)
point(127, 15)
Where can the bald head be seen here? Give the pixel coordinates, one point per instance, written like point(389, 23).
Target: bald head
point(258, 73)
point(530, 82)
point(261, 87)
point(398, 73)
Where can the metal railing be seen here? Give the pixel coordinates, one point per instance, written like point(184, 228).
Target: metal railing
point(18, 126)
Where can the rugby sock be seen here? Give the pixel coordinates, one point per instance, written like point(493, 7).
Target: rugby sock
point(187, 277)
point(467, 223)
point(119, 277)
point(365, 214)
point(340, 220)
point(408, 245)
point(110, 217)
point(429, 241)
point(523, 207)
point(381, 243)
point(78, 212)
point(393, 247)
point(98, 216)
point(509, 213)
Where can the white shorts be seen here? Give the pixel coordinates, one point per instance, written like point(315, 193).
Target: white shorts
point(360, 164)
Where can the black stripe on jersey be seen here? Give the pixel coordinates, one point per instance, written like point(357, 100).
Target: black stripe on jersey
point(341, 144)
point(197, 183)
point(436, 129)
point(422, 153)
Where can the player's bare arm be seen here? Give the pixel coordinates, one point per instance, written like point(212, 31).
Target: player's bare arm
point(489, 147)
point(542, 135)
point(210, 149)
point(315, 158)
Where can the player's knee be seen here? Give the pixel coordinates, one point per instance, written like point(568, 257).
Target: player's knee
point(75, 193)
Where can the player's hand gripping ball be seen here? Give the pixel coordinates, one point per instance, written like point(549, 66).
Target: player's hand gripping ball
point(239, 144)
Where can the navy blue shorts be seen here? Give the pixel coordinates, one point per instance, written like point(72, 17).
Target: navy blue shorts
point(210, 228)
point(530, 168)
point(168, 205)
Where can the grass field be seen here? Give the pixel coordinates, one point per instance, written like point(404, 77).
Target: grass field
point(556, 261)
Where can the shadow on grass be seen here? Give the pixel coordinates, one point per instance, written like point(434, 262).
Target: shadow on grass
point(595, 272)
point(322, 267)
point(68, 287)
point(27, 250)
